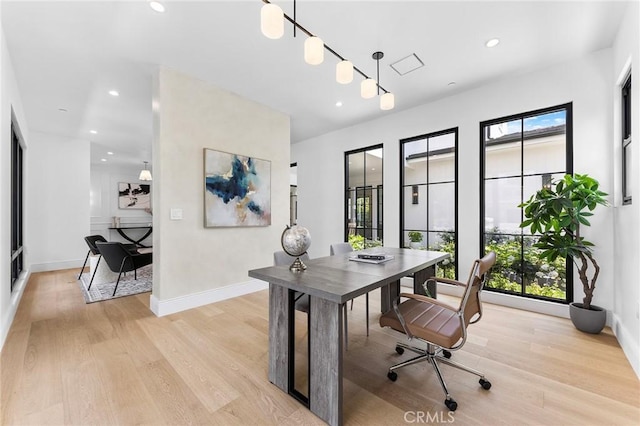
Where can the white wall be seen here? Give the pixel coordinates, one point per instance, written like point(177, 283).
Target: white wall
point(626, 292)
point(57, 218)
point(103, 201)
point(585, 81)
point(194, 265)
point(10, 102)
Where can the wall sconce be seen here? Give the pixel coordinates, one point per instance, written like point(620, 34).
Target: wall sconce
point(414, 194)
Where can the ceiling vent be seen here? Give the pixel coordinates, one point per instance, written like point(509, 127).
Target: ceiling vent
point(408, 64)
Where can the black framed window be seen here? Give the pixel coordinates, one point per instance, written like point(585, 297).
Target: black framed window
point(626, 141)
point(519, 155)
point(364, 197)
point(429, 195)
point(17, 206)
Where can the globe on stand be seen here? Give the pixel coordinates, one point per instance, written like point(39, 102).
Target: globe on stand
point(295, 241)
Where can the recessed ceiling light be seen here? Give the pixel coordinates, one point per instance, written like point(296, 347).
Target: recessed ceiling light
point(339, 104)
point(157, 6)
point(373, 168)
point(109, 153)
point(114, 93)
point(103, 159)
point(93, 132)
point(492, 43)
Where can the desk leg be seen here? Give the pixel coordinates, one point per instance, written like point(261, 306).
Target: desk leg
point(279, 336)
point(419, 279)
point(388, 294)
point(325, 361)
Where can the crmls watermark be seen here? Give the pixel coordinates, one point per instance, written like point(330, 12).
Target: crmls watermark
point(426, 417)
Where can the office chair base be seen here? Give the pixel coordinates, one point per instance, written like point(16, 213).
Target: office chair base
point(435, 355)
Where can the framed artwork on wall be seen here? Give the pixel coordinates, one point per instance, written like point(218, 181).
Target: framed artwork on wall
point(237, 190)
point(134, 195)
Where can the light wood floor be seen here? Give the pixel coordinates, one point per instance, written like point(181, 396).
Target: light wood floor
point(65, 362)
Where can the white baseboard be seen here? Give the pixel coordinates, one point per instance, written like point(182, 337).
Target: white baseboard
point(56, 266)
point(16, 295)
point(628, 344)
point(182, 303)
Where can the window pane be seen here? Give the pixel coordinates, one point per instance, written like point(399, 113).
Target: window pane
point(415, 162)
point(628, 182)
point(543, 278)
point(442, 207)
point(503, 149)
point(356, 169)
point(505, 274)
point(545, 143)
point(442, 167)
point(533, 184)
point(502, 197)
point(373, 170)
point(415, 215)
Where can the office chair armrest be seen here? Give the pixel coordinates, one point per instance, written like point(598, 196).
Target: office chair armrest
point(428, 299)
point(446, 281)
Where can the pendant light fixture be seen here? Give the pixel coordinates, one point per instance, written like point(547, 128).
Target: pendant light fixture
point(272, 25)
point(387, 100)
point(368, 88)
point(314, 50)
point(272, 21)
point(344, 72)
point(145, 174)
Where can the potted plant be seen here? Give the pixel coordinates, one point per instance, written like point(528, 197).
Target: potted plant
point(557, 213)
point(416, 238)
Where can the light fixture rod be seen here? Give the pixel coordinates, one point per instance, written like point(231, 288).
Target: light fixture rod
point(333, 52)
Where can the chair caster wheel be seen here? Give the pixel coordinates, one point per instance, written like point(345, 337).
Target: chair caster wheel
point(399, 350)
point(485, 384)
point(446, 353)
point(451, 404)
point(392, 375)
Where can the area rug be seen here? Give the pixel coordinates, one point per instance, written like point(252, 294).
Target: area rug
point(127, 286)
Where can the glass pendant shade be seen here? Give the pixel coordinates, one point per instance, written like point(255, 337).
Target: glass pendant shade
point(313, 50)
point(144, 173)
point(387, 101)
point(368, 88)
point(344, 72)
point(272, 21)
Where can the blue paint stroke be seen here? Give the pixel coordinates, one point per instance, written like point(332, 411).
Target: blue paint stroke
point(238, 185)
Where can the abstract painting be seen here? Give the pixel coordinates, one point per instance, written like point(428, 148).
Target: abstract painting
point(237, 190)
point(134, 196)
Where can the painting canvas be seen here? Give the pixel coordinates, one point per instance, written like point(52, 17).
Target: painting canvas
point(237, 190)
point(134, 196)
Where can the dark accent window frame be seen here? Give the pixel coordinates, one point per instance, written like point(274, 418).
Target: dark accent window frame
point(626, 139)
point(366, 190)
point(414, 195)
point(568, 107)
point(17, 204)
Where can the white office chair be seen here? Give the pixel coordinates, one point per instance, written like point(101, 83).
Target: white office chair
point(341, 248)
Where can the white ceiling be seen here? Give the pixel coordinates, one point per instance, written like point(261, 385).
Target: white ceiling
point(70, 54)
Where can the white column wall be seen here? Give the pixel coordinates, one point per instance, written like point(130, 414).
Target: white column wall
point(193, 263)
point(585, 81)
point(57, 219)
point(626, 229)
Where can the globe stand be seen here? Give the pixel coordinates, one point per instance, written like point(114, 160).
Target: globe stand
point(297, 266)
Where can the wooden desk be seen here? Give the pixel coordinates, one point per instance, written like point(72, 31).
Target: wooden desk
point(121, 230)
point(330, 282)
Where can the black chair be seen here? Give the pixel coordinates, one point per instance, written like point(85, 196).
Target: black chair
point(120, 259)
point(91, 242)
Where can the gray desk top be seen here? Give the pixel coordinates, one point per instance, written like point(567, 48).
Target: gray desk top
point(338, 279)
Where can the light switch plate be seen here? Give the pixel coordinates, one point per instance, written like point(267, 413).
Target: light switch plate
point(176, 214)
